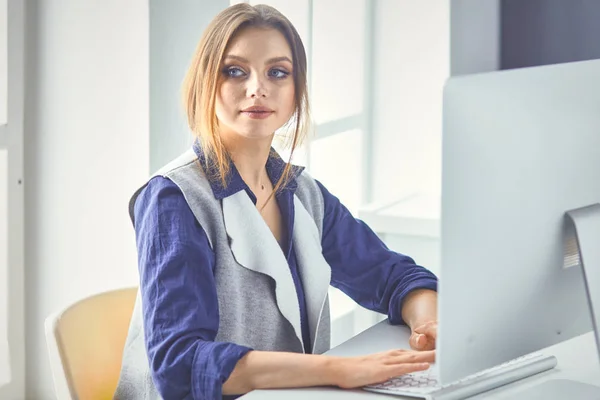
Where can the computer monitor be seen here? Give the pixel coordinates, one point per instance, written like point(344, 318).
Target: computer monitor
point(521, 148)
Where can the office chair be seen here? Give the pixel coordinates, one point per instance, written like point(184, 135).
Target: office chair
point(85, 344)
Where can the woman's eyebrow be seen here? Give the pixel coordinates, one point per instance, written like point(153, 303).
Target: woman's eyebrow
point(269, 61)
point(278, 59)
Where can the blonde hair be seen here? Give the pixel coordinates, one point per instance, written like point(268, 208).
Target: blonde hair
point(202, 81)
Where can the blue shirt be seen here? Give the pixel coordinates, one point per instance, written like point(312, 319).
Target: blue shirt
point(177, 285)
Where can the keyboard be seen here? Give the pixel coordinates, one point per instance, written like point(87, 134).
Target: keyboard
point(425, 385)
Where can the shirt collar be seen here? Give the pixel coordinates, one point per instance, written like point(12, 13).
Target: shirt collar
point(275, 167)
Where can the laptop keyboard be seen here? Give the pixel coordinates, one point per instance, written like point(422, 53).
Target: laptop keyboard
point(425, 383)
point(421, 382)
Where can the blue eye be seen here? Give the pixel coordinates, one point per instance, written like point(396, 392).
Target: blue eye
point(233, 72)
point(278, 73)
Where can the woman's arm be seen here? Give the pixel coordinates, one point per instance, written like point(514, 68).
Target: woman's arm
point(271, 370)
point(364, 268)
point(419, 308)
point(179, 299)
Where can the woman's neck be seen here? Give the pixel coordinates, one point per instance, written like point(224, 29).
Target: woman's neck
point(250, 158)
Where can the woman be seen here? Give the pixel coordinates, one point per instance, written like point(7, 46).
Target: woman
point(237, 248)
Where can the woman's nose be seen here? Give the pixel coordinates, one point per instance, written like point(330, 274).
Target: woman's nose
point(256, 87)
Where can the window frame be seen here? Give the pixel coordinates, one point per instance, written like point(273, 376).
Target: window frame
point(362, 121)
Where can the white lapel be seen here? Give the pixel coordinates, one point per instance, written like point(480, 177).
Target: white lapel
point(315, 272)
point(254, 247)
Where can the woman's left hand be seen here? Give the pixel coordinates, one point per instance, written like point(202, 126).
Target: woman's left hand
point(424, 336)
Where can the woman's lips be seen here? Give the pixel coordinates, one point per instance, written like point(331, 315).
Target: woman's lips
point(257, 113)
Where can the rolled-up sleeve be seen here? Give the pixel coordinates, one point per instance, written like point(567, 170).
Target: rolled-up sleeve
point(179, 297)
point(363, 267)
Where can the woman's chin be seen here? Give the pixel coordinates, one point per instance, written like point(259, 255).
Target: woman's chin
point(250, 130)
point(253, 134)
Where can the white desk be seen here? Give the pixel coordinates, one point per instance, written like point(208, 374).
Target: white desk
point(577, 360)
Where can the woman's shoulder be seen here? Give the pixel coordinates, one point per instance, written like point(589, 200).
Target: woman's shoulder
point(305, 180)
point(161, 186)
point(189, 158)
point(158, 192)
point(311, 188)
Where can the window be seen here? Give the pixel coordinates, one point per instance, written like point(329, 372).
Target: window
point(379, 73)
point(338, 64)
point(339, 94)
point(412, 63)
point(341, 173)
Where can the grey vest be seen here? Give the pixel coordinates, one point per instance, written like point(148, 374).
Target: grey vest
point(258, 305)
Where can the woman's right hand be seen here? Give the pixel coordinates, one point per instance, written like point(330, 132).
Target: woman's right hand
point(354, 372)
point(275, 370)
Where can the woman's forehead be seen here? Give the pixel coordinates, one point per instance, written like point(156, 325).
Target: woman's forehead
point(254, 42)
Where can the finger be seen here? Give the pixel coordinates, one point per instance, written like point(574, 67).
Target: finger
point(403, 369)
point(429, 344)
point(425, 342)
point(397, 352)
point(417, 341)
point(386, 354)
point(414, 357)
point(424, 338)
point(429, 329)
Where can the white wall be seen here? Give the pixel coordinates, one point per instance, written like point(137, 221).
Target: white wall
point(86, 149)
point(4, 367)
point(3, 60)
point(5, 372)
point(172, 46)
point(3, 199)
point(474, 36)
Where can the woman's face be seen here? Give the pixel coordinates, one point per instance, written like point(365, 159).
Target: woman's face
point(256, 93)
